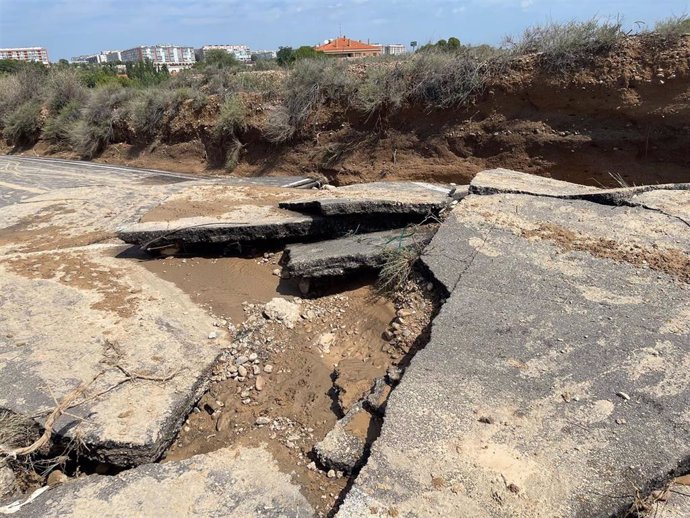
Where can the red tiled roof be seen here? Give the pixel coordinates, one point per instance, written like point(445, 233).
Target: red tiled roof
point(344, 44)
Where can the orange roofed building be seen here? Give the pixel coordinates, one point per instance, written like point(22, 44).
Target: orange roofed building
point(343, 47)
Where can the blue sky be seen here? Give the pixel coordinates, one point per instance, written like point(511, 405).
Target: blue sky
point(73, 27)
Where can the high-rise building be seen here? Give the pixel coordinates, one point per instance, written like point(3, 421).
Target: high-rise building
point(242, 52)
point(38, 54)
point(393, 49)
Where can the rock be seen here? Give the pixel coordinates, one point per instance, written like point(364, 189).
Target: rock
point(304, 286)
point(377, 398)
point(212, 335)
point(242, 371)
point(223, 422)
point(251, 482)
point(325, 341)
point(283, 311)
point(256, 369)
point(268, 369)
point(343, 447)
point(56, 477)
point(276, 272)
point(241, 360)
point(253, 356)
point(263, 420)
point(260, 383)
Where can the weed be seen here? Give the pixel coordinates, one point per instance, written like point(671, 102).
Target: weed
point(16, 431)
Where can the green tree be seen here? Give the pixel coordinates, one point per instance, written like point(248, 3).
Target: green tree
point(413, 44)
point(306, 52)
point(284, 56)
point(453, 43)
point(219, 58)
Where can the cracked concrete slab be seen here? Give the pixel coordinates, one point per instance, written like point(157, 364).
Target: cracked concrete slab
point(349, 254)
point(237, 483)
point(555, 381)
point(411, 198)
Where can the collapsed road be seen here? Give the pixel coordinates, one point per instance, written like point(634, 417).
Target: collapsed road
point(534, 364)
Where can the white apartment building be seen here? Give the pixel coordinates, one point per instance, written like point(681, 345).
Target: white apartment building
point(242, 52)
point(173, 56)
point(39, 54)
point(392, 49)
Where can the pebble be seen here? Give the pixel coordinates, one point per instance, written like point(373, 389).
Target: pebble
point(260, 383)
point(623, 395)
point(56, 478)
point(263, 420)
point(253, 357)
point(268, 369)
point(276, 272)
point(331, 473)
point(241, 360)
point(223, 422)
point(212, 335)
point(242, 371)
point(256, 369)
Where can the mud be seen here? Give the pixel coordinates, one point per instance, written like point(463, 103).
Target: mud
point(307, 386)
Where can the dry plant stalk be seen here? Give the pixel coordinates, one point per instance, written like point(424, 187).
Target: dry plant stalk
point(50, 421)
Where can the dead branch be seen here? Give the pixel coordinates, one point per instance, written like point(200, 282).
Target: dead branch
point(50, 421)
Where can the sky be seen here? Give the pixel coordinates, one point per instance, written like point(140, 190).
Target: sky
point(73, 27)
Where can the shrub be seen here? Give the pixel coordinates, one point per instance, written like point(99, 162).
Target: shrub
point(64, 85)
point(382, 89)
point(673, 26)
point(24, 85)
point(58, 129)
point(564, 45)
point(311, 83)
point(231, 118)
point(441, 80)
point(22, 126)
point(94, 130)
point(147, 109)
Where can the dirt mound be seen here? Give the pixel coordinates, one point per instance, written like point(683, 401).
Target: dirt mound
point(623, 114)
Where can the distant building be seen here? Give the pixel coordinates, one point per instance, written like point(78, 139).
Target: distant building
point(343, 47)
point(242, 52)
point(174, 57)
point(38, 54)
point(112, 56)
point(264, 54)
point(392, 49)
point(105, 56)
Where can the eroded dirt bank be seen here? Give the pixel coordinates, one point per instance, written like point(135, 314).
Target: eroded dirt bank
point(623, 115)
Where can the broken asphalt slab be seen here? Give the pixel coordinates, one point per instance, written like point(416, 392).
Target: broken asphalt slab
point(237, 483)
point(556, 379)
point(506, 181)
point(349, 254)
point(233, 216)
point(72, 316)
point(410, 198)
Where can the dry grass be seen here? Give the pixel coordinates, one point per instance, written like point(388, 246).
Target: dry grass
point(16, 431)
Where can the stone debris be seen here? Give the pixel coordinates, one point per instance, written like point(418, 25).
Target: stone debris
point(344, 446)
point(283, 311)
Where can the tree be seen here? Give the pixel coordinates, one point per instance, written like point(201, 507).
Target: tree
point(306, 52)
point(453, 43)
point(413, 44)
point(218, 58)
point(284, 56)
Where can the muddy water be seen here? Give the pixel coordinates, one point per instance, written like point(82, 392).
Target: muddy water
point(223, 284)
